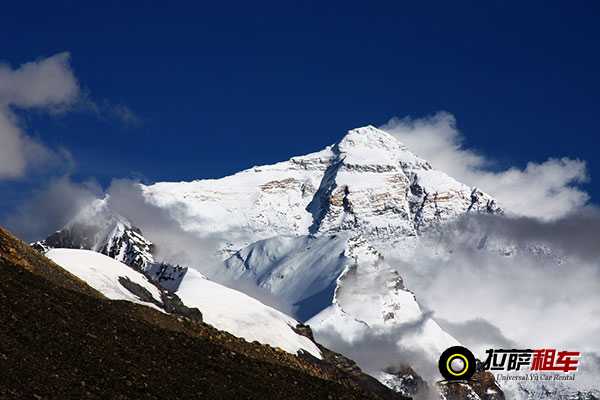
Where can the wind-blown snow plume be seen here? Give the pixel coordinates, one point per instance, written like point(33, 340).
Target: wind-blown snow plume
point(544, 190)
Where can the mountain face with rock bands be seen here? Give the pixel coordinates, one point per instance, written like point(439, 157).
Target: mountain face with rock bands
point(315, 232)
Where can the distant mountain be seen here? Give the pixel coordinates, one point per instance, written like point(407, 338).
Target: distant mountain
point(100, 229)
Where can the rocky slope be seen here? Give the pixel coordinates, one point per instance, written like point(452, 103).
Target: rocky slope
point(220, 306)
point(62, 339)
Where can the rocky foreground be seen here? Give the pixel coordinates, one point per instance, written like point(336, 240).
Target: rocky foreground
point(61, 339)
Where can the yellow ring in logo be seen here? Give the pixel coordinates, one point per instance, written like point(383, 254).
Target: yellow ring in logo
point(464, 369)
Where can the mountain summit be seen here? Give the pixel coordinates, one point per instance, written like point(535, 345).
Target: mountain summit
point(315, 232)
point(368, 182)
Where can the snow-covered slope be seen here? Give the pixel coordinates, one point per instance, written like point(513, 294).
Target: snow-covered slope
point(242, 315)
point(251, 205)
point(224, 308)
point(343, 284)
point(102, 273)
point(300, 271)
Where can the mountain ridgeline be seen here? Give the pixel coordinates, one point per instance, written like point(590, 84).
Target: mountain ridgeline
point(315, 232)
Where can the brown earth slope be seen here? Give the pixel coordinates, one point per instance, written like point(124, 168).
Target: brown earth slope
point(60, 339)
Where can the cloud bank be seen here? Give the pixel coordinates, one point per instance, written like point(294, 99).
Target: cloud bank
point(545, 190)
point(517, 282)
point(497, 282)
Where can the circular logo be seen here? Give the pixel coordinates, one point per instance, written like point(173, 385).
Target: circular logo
point(457, 363)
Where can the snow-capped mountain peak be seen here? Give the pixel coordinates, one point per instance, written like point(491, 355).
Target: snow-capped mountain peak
point(314, 231)
point(98, 228)
point(368, 183)
point(371, 146)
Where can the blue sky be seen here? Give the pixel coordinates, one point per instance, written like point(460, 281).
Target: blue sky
point(216, 88)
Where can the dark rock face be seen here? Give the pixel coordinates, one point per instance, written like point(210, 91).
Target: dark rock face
point(171, 303)
point(138, 290)
point(129, 247)
point(100, 229)
point(305, 331)
point(167, 276)
point(77, 237)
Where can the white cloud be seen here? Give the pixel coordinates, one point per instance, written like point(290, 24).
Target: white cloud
point(544, 190)
point(48, 84)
